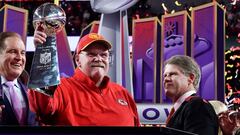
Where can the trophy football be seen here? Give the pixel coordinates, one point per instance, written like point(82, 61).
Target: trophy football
point(50, 19)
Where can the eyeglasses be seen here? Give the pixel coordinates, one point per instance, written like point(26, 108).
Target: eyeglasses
point(104, 55)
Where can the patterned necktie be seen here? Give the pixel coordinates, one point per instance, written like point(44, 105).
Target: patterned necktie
point(170, 115)
point(16, 102)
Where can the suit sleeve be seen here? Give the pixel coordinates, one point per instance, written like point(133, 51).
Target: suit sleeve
point(200, 118)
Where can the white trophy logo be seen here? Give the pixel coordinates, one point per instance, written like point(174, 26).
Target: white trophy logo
point(45, 58)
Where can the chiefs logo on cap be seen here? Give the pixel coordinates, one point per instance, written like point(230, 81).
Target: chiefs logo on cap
point(95, 36)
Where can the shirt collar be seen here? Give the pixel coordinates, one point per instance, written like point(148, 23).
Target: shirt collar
point(180, 100)
point(4, 80)
point(79, 75)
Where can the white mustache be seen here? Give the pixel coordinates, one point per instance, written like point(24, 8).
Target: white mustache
point(97, 65)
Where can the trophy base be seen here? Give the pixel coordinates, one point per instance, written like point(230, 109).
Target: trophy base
point(48, 91)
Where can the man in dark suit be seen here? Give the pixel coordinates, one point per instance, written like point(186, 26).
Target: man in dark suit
point(190, 112)
point(14, 106)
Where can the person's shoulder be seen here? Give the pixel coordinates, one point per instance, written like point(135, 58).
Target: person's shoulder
point(66, 82)
point(65, 79)
point(197, 104)
point(196, 100)
point(113, 84)
point(117, 87)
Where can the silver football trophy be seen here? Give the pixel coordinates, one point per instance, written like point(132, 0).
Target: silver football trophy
point(44, 73)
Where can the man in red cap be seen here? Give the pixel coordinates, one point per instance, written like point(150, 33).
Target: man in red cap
point(88, 98)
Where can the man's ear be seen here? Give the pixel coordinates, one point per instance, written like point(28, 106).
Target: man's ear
point(77, 61)
point(191, 78)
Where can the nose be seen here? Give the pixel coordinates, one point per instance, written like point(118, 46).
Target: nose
point(19, 56)
point(166, 78)
point(97, 57)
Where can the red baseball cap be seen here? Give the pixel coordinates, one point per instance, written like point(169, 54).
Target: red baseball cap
point(92, 38)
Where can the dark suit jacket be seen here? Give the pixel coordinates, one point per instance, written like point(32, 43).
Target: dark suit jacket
point(8, 116)
point(195, 115)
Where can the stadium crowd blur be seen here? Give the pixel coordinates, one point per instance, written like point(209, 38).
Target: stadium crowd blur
point(79, 15)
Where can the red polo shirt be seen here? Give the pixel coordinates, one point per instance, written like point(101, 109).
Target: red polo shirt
point(78, 102)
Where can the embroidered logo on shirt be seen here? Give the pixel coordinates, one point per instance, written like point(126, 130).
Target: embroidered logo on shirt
point(122, 102)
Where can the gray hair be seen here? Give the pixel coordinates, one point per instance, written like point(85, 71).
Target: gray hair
point(4, 36)
point(188, 66)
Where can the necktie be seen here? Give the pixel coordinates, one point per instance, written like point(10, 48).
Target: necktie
point(16, 102)
point(170, 115)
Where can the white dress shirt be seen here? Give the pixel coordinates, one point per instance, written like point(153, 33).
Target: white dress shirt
point(180, 100)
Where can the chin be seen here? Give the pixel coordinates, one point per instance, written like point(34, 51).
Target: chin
point(97, 73)
point(17, 74)
point(169, 93)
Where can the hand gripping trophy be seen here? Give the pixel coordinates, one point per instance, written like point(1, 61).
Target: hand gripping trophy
point(44, 73)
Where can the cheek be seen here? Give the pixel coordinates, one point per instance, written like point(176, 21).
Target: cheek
point(10, 58)
point(24, 58)
point(106, 66)
point(177, 82)
point(106, 62)
point(24, 61)
point(85, 66)
point(6, 62)
point(182, 82)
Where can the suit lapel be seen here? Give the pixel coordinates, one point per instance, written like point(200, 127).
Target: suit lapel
point(171, 121)
point(24, 93)
point(30, 116)
point(9, 117)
